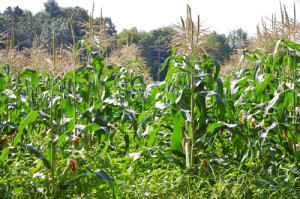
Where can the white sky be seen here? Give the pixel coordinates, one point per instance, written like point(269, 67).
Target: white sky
point(220, 15)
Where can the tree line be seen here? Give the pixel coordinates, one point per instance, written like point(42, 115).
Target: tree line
point(153, 44)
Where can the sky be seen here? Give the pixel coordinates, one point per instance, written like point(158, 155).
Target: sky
point(221, 16)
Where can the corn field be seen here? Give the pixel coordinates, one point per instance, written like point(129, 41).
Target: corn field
point(103, 131)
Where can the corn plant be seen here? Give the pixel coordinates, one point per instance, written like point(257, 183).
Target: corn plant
point(102, 131)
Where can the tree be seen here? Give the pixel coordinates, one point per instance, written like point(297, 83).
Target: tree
point(5, 22)
point(21, 22)
point(111, 28)
point(131, 36)
point(153, 45)
point(219, 48)
point(8, 11)
point(61, 27)
point(155, 50)
point(51, 6)
point(14, 13)
point(237, 38)
point(18, 12)
point(77, 17)
point(23, 30)
point(53, 18)
point(40, 19)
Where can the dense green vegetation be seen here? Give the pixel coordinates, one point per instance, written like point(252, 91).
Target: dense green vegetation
point(102, 131)
point(154, 45)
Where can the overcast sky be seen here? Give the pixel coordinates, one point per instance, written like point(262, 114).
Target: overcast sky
point(221, 15)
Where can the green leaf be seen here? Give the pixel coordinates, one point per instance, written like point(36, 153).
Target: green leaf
point(30, 118)
point(104, 150)
point(251, 58)
point(151, 86)
point(271, 103)
point(94, 127)
point(220, 103)
point(85, 68)
point(37, 154)
point(4, 155)
point(78, 46)
point(176, 136)
point(68, 107)
point(152, 136)
point(266, 131)
point(166, 62)
point(136, 155)
point(97, 62)
point(61, 140)
point(2, 83)
point(214, 126)
point(161, 105)
point(260, 88)
point(85, 43)
point(81, 80)
point(142, 116)
point(218, 68)
point(105, 177)
point(178, 162)
point(126, 139)
point(32, 74)
point(43, 115)
point(110, 100)
point(292, 64)
point(207, 93)
point(68, 75)
point(292, 45)
point(67, 184)
point(220, 87)
point(182, 70)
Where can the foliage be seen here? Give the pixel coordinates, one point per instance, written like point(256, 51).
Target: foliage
point(131, 36)
point(72, 24)
point(155, 50)
point(51, 7)
point(54, 18)
point(219, 48)
point(154, 46)
point(237, 39)
point(101, 131)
